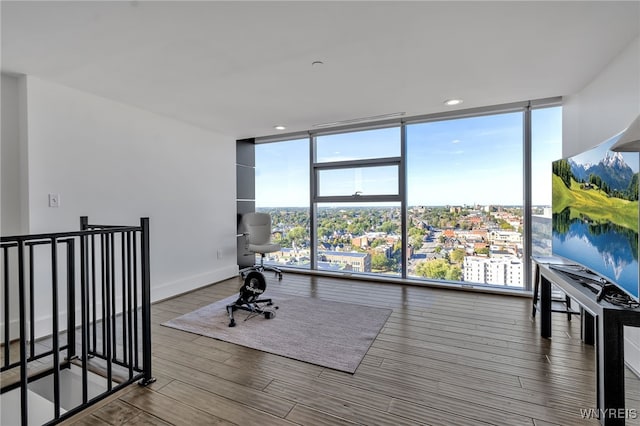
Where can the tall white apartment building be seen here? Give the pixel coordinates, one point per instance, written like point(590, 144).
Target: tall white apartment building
point(506, 270)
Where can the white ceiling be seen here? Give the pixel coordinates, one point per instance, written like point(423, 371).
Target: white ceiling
point(241, 67)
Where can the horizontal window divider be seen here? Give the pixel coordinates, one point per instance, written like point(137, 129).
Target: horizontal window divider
point(546, 102)
point(349, 164)
point(358, 199)
point(468, 113)
point(357, 127)
point(282, 137)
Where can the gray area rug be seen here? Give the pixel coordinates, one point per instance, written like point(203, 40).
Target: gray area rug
point(330, 334)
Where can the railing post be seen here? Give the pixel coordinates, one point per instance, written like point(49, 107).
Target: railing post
point(55, 343)
point(7, 307)
point(24, 410)
point(84, 313)
point(32, 304)
point(146, 302)
point(84, 223)
point(71, 299)
point(131, 311)
point(107, 346)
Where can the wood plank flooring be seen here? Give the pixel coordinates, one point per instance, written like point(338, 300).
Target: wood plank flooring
point(444, 357)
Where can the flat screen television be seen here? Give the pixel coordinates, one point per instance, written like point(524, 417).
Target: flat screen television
point(595, 213)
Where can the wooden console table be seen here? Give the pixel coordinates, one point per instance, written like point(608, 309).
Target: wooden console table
point(609, 321)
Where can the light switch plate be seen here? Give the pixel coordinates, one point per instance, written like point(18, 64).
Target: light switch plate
point(54, 200)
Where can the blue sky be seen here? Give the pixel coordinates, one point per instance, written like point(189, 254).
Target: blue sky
point(451, 162)
point(597, 153)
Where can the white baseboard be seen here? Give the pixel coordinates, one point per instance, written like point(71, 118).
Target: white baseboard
point(42, 326)
point(171, 289)
point(14, 330)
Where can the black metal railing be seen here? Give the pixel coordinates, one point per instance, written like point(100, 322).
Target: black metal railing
point(101, 270)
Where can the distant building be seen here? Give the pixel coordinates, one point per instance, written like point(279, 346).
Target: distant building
point(482, 233)
point(496, 236)
point(392, 239)
point(421, 224)
point(507, 270)
point(475, 220)
point(350, 261)
point(361, 242)
point(500, 252)
point(479, 246)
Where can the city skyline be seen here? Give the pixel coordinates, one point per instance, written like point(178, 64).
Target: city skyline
point(475, 246)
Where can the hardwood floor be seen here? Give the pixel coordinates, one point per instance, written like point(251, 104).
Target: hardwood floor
point(444, 357)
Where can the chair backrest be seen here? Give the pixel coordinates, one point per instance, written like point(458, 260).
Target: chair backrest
point(258, 227)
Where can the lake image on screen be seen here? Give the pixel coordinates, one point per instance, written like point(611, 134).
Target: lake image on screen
point(610, 253)
point(595, 213)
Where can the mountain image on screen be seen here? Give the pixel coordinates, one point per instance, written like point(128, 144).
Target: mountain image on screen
point(595, 216)
point(612, 170)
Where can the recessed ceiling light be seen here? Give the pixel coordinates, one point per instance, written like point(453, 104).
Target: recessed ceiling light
point(279, 127)
point(452, 102)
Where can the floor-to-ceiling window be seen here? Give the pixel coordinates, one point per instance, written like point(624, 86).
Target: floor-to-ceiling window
point(465, 198)
point(429, 198)
point(282, 190)
point(546, 146)
point(356, 199)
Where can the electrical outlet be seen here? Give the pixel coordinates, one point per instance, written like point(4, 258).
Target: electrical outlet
point(54, 200)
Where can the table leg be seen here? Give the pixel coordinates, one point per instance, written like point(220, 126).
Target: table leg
point(545, 307)
point(611, 396)
point(587, 327)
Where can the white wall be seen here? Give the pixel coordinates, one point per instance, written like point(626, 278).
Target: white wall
point(602, 109)
point(606, 106)
point(115, 164)
point(10, 157)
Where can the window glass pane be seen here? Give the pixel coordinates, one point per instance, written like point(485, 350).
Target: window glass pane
point(282, 174)
point(376, 143)
point(546, 147)
point(290, 229)
point(382, 180)
point(464, 184)
point(360, 238)
point(282, 190)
